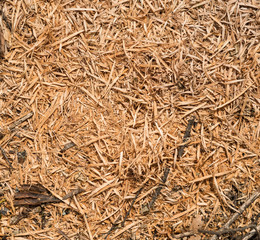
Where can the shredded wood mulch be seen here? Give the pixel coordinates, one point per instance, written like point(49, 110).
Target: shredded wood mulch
point(129, 119)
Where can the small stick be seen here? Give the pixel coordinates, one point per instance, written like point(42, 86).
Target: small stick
point(186, 136)
point(132, 204)
point(225, 231)
point(20, 120)
point(233, 99)
point(115, 226)
point(2, 43)
point(240, 211)
point(218, 233)
point(6, 158)
point(253, 233)
point(158, 190)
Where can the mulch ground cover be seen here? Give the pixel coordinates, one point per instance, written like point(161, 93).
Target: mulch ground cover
point(129, 119)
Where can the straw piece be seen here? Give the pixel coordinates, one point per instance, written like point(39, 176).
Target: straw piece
point(193, 110)
point(32, 233)
point(129, 226)
point(94, 140)
point(190, 209)
point(92, 96)
point(210, 176)
point(67, 38)
point(48, 113)
point(101, 188)
point(233, 99)
point(80, 9)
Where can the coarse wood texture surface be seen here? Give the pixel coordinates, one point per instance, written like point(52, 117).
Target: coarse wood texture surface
point(96, 100)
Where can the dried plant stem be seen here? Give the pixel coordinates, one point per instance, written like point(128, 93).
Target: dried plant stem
point(6, 158)
point(186, 136)
point(20, 120)
point(240, 211)
point(226, 231)
point(158, 190)
point(132, 204)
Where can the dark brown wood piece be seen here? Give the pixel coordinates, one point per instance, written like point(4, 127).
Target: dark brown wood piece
point(35, 201)
point(33, 195)
point(20, 120)
point(158, 190)
point(67, 146)
point(186, 137)
point(2, 43)
point(132, 204)
point(6, 158)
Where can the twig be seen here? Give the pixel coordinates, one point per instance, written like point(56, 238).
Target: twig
point(132, 204)
point(253, 233)
point(225, 231)
point(20, 120)
point(158, 190)
point(116, 225)
point(2, 43)
point(6, 158)
point(186, 136)
point(239, 212)
point(218, 233)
